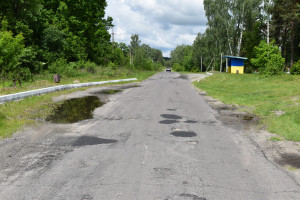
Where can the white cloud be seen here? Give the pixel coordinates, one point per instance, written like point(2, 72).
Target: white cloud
point(160, 24)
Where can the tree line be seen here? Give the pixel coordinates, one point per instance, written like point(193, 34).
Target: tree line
point(62, 36)
point(242, 28)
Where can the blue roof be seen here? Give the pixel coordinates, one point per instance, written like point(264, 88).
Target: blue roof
point(236, 57)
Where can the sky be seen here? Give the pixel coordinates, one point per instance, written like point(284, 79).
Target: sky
point(162, 24)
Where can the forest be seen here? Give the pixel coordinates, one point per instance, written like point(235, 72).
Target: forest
point(267, 32)
point(66, 37)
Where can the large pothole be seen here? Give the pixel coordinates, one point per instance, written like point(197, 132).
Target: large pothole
point(183, 134)
point(74, 110)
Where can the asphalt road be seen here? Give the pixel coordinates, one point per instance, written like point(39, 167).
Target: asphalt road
point(157, 141)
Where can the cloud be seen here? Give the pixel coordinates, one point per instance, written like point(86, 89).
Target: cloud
point(160, 24)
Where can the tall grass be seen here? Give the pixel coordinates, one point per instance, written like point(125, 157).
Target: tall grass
point(274, 99)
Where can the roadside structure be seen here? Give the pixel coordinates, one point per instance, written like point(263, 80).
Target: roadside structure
point(234, 64)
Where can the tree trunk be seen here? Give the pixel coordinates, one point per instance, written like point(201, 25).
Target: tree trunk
point(292, 43)
point(229, 42)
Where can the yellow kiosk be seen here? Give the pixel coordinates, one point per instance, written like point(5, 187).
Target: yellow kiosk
point(234, 64)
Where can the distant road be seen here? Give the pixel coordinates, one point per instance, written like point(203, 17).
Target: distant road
point(158, 141)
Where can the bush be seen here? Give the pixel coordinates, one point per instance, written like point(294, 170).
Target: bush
point(148, 64)
point(60, 66)
point(274, 65)
point(268, 59)
point(12, 55)
point(90, 67)
point(296, 68)
point(117, 57)
point(29, 60)
point(177, 67)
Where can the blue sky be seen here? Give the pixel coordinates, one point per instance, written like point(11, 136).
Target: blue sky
point(162, 24)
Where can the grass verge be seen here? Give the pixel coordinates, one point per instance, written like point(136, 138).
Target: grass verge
point(274, 99)
point(32, 110)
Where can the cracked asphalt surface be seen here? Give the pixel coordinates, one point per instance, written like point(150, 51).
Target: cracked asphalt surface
point(157, 141)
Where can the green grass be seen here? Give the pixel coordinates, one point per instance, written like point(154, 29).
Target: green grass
point(275, 139)
point(274, 99)
point(30, 111)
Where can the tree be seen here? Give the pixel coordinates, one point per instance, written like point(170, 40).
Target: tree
point(227, 22)
point(286, 21)
point(134, 43)
point(124, 48)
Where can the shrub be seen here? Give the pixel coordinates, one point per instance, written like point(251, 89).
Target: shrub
point(90, 67)
point(29, 60)
point(148, 64)
point(177, 67)
point(60, 66)
point(268, 59)
point(296, 68)
point(12, 55)
point(274, 65)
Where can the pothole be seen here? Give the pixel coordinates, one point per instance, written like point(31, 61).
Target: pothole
point(90, 140)
point(86, 197)
point(171, 109)
point(248, 117)
point(289, 159)
point(163, 172)
point(74, 110)
point(191, 121)
point(183, 76)
point(183, 134)
point(170, 116)
point(210, 122)
point(109, 92)
point(168, 121)
point(185, 196)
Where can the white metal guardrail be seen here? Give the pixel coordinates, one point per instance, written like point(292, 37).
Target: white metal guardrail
point(22, 95)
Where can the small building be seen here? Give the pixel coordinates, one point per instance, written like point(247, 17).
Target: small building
point(234, 64)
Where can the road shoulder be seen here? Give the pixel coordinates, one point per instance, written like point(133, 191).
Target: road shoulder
point(281, 153)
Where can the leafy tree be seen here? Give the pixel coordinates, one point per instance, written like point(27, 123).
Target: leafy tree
point(183, 56)
point(251, 39)
point(286, 22)
point(134, 43)
point(177, 67)
point(230, 23)
point(177, 55)
point(53, 42)
point(84, 27)
point(117, 57)
point(124, 48)
point(139, 59)
point(154, 54)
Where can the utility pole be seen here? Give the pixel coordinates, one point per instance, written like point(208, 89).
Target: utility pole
point(130, 58)
point(213, 67)
point(221, 63)
point(201, 63)
point(113, 37)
